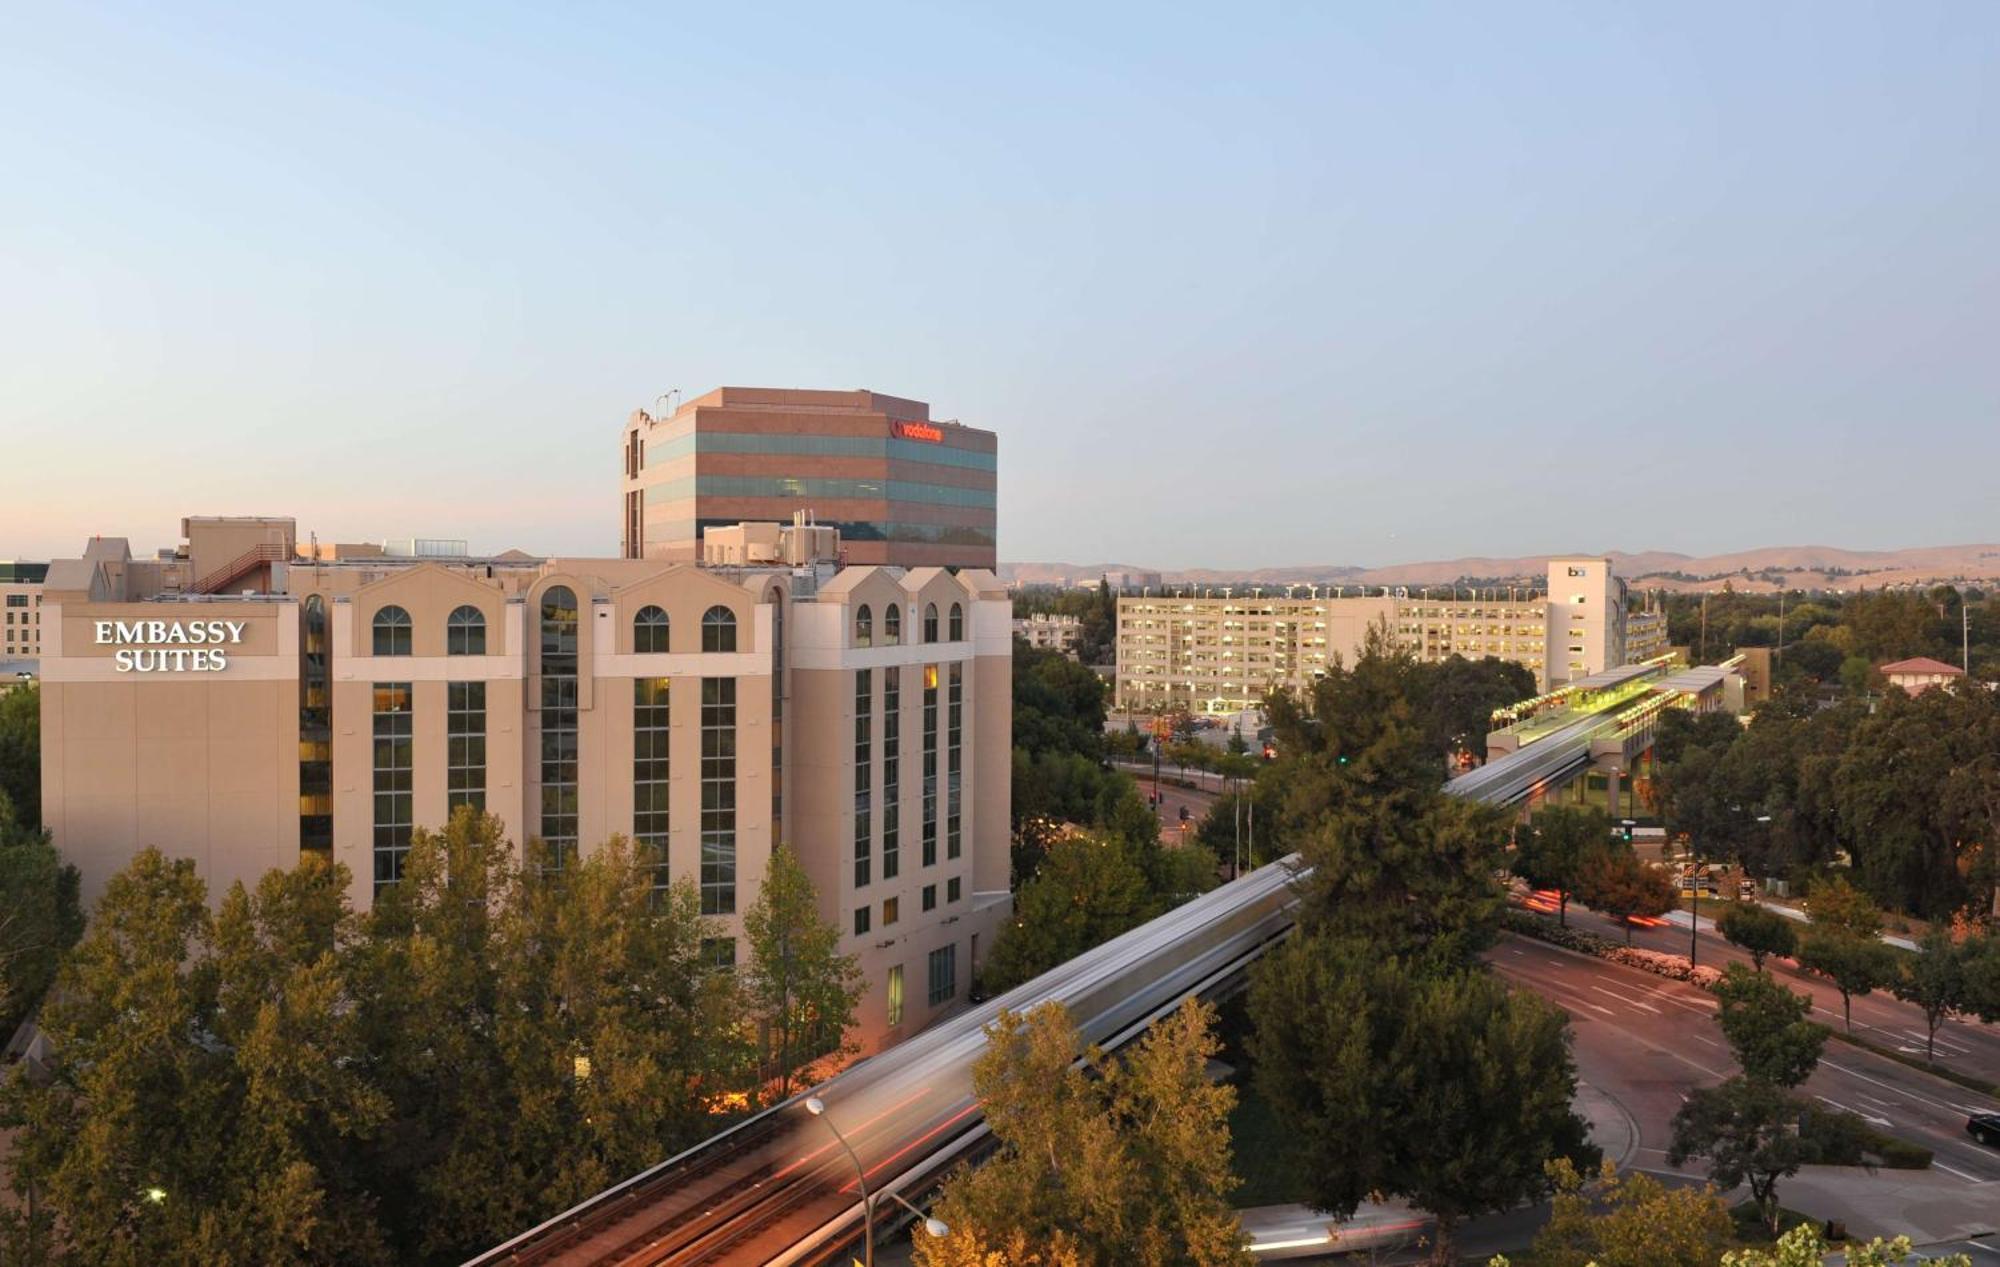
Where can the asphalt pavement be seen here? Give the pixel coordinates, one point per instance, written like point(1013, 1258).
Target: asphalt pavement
point(1647, 1042)
point(1964, 1045)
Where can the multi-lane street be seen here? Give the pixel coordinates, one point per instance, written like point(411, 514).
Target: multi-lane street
point(1966, 1046)
point(1645, 1041)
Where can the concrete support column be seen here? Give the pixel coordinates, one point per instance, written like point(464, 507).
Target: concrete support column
point(1611, 802)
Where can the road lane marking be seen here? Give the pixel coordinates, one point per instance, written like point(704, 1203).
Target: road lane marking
point(1976, 1245)
point(1889, 1087)
point(1960, 1173)
point(1866, 1117)
point(1622, 999)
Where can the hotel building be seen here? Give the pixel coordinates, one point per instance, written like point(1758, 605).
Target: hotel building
point(900, 488)
point(237, 703)
point(1223, 652)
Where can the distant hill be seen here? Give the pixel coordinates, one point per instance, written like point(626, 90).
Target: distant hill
point(1768, 568)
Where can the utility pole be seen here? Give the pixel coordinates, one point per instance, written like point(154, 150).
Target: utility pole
point(1781, 624)
point(1702, 653)
point(1965, 636)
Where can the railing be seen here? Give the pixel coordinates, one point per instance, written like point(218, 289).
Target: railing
point(239, 567)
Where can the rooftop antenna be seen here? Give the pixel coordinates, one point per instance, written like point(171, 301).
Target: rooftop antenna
point(668, 396)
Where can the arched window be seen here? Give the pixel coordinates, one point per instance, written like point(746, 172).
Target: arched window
point(957, 623)
point(392, 631)
point(465, 632)
point(718, 630)
point(930, 622)
point(892, 624)
point(864, 626)
point(649, 630)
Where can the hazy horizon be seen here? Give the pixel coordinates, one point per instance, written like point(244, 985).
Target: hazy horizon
point(1363, 286)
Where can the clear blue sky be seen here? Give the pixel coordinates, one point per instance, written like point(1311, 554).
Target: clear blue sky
point(1237, 285)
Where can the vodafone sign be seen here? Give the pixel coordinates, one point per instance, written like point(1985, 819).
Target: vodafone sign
point(919, 431)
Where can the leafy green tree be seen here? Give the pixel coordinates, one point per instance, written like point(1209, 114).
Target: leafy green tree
point(1615, 882)
point(1746, 1129)
point(1982, 976)
point(1768, 1027)
point(1058, 704)
point(1935, 980)
point(204, 1100)
point(1757, 930)
point(1554, 848)
point(1100, 1163)
point(1457, 697)
point(1835, 904)
point(21, 753)
point(1855, 965)
point(1630, 1220)
point(799, 984)
point(1441, 1087)
point(1090, 889)
point(41, 916)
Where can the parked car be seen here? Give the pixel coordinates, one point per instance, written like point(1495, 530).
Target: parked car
point(1984, 1127)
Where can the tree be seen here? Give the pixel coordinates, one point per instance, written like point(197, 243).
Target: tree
point(1099, 1164)
point(1836, 904)
point(1855, 965)
point(1935, 980)
point(205, 1100)
point(1757, 930)
point(802, 988)
point(1615, 882)
point(21, 753)
point(1090, 888)
point(1746, 1129)
point(1768, 1027)
point(40, 916)
point(1442, 1087)
point(1559, 840)
point(1630, 1221)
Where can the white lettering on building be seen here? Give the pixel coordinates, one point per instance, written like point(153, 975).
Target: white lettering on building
point(169, 646)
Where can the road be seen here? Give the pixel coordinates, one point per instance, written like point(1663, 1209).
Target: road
point(1173, 798)
point(1964, 1046)
point(1646, 1041)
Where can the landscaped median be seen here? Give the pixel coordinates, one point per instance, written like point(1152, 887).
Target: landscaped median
point(1673, 967)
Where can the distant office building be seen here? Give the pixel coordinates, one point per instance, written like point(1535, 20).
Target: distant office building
point(1220, 652)
point(237, 704)
point(1046, 631)
point(899, 488)
point(21, 610)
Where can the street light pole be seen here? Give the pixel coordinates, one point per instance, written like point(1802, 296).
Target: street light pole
point(817, 1107)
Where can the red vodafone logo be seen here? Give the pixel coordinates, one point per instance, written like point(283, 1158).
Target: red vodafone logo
point(919, 431)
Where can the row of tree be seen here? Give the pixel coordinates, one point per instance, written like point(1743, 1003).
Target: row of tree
point(1839, 638)
point(277, 1080)
point(40, 915)
point(1908, 788)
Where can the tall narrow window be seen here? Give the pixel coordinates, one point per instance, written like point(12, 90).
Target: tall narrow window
point(394, 763)
point(315, 730)
point(930, 622)
point(465, 745)
point(650, 770)
point(718, 796)
point(864, 782)
point(559, 738)
point(892, 624)
point(718, 629)
point(930, 807)
point(895, 995)
point(864, 626)
point(392, 631)
point(957, 629)
point(954, 717)
point(892, 768)
point(778, 716)
point(649, 631)
point(944, 974)
point(465, 632)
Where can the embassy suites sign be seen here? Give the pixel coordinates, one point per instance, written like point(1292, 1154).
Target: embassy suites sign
point(170, 646)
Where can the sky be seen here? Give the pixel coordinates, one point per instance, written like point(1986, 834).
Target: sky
point(1237, 286)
